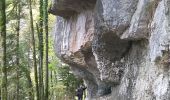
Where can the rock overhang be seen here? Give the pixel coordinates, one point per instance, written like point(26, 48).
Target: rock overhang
point(102, 42)
point(112, 32)
point(67, 8)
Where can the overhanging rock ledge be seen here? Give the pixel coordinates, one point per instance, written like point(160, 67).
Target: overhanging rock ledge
point(119, 47)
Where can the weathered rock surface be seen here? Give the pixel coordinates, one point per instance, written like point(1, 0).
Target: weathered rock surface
point(119, 47)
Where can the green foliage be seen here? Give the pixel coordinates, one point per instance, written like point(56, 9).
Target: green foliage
point(62, 83)
point(68, 80)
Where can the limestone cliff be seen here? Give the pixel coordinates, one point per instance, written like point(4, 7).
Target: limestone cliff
point(119, 47)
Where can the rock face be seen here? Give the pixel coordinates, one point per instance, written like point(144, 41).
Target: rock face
point(119, 47)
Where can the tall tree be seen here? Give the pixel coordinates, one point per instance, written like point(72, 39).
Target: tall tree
point(28, 75)
point(3, 35)
point(46, 40)
point(41, 84)
point(34, 52)
point(18, 8)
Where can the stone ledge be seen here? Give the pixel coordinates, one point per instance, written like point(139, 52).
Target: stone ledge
point(67, 8)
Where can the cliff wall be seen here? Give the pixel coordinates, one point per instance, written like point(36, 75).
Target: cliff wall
point(119, 47)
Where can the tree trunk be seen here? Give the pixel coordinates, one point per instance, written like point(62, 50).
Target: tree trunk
point(17, 57)
point(41, 85)
point(51, 85)
point(3, 35)
point(46, 31)
point(34, 52)
point(30, 86)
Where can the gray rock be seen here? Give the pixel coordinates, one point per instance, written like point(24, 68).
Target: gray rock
point(119, 47)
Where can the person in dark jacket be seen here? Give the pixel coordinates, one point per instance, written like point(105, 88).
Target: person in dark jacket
point(80, 91)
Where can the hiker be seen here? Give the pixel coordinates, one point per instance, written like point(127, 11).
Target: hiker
point(80, 91)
